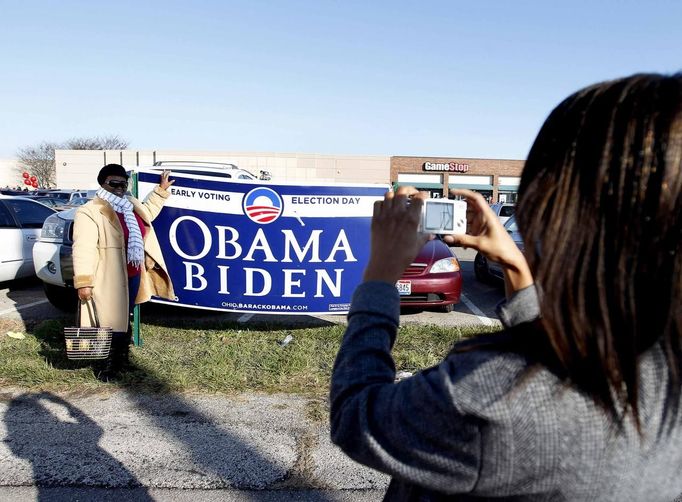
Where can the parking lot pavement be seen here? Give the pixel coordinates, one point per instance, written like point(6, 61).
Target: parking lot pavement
point(24, 303)
point(69, 494)
point(124, 440)
point(20, 295)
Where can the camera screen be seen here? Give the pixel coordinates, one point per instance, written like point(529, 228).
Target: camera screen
point(439, 215)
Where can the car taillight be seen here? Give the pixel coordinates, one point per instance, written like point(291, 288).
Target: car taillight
point(445, 265)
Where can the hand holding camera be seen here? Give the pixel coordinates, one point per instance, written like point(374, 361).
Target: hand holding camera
point(402, 223)
point(395, 240)
point(444, 217)
point(406, 219)
point(487, 235)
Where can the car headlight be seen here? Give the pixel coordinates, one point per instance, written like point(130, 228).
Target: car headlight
point(445, 265)
point(53, 229)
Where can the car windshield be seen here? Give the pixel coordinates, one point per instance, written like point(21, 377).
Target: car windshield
point(57, 195)
point(506, 211)
point(48, 201)
point(79, 201)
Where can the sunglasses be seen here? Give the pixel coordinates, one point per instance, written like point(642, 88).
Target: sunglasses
point(117, 184)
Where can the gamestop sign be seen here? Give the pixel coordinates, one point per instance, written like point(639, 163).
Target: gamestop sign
point(250, 246)
point(453, 167)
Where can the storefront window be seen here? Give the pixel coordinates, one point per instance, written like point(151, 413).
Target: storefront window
point(487, 195)
point(508, 197)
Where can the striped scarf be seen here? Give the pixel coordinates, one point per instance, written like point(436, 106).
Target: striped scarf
point(123, 206)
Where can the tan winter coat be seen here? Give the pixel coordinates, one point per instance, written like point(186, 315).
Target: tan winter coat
point(99, 259)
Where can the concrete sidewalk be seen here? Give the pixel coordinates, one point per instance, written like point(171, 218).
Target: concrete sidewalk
point(248, 447)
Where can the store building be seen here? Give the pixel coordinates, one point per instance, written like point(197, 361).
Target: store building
point(496, 179)
point(79, 168)
point(10, 174)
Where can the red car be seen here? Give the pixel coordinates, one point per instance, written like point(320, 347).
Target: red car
point(434, 278)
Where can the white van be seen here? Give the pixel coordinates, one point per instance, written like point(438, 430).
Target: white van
point(217, 169)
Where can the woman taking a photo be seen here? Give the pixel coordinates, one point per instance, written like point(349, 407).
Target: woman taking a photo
point(579, 397)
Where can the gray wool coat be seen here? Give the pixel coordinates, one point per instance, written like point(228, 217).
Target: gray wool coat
point(478, 426)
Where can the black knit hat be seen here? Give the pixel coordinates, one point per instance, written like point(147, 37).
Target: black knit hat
point(111, 170)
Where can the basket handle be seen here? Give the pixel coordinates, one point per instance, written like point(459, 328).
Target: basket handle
point(89, 302)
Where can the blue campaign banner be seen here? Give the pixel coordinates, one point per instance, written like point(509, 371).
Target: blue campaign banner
point(263, 247)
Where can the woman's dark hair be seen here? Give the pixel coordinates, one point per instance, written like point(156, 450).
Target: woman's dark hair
point(599, 208)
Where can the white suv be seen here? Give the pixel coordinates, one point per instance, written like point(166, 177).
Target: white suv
point(503, 211)
point(217, 169)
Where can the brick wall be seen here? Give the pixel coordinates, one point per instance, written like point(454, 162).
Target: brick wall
point(476, 167)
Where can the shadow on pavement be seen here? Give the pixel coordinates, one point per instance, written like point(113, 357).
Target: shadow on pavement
point(61, 444)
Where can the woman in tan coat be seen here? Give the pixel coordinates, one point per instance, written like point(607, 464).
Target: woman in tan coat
point(117, 260)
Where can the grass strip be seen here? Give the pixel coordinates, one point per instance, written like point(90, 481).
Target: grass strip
point(213, 358)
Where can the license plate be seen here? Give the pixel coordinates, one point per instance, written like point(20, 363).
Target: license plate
point(404, 287)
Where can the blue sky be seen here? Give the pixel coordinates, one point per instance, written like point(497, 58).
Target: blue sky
point(450, 78)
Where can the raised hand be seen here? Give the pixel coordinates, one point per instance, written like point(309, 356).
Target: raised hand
point(487, 235)
point(165, 181)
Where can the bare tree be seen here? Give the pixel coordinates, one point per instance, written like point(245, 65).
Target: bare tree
point(96, 143)
point(38, 160)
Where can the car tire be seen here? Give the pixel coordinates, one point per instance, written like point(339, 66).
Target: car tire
point(65, 299)
point(481, 269)
point(448, 308)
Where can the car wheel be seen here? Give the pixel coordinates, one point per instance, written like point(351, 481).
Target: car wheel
point(448, 308)
point(481, 268)
point(65, 299)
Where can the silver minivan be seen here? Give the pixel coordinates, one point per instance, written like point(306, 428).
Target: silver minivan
point(504, 211)
point(490, 271)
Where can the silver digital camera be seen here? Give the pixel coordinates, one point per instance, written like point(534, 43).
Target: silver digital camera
point(444, 216)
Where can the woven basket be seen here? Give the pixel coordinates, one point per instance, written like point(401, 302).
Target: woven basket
point(87, 342)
